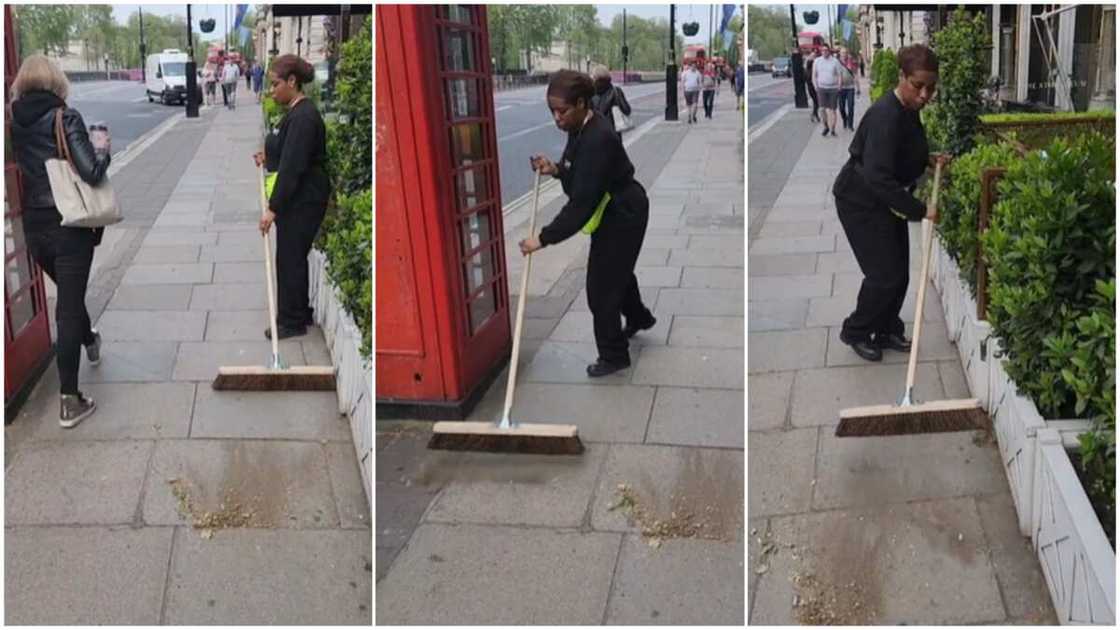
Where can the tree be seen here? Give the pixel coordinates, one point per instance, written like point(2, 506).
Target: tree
point(768, 31)
point(44, 27)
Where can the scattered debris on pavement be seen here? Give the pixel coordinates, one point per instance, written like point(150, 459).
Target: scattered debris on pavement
point(681, 522)
point(232, 510)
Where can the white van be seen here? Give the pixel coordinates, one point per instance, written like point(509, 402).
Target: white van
point(167, 76)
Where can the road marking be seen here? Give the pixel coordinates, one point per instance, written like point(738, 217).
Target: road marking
point(143, 142)
point(503, 108)
point(772, 83)
point(766, 123)
point(523, 132)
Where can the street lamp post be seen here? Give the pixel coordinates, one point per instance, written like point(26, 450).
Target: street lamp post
point(671, 67)
point(192, 78)
point(625, 50)
point(800, 100)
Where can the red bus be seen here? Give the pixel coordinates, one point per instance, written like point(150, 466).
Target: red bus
point(810, 41)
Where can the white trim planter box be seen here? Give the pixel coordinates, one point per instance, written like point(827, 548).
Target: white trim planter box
point(950, 297)
point(936, 263)
point(355, 377)
point(1015, 421)
point(1077, 561)
point(974, 346)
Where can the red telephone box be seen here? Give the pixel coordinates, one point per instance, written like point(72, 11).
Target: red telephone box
point(27, 334)
point(443, 330)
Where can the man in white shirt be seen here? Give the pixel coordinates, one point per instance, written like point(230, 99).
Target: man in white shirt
point(691, 79)
point(230, 74)
point(826, 79)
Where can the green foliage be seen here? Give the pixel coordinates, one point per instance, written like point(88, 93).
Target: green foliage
point(273, 111)
point(768, 31)
point(953, 116)
point(884, 73)
point(351, 153)
point(348, 246)
point(959, 203)
point(1012, 118)
point(1038, 130)
point(1051, 248)
point(44, 28)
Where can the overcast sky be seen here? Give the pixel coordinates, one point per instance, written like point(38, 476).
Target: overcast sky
point(198, 12)
point(822, 25)
point(685, 13)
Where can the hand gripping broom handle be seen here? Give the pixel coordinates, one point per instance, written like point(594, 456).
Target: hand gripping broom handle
point(926, 247)
point(505, 422)
point(268, 277)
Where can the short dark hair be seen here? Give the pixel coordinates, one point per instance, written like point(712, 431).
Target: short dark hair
point(286, 66)
point(917, 57)
point(571, 86)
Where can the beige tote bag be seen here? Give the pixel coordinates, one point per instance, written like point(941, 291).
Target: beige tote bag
point(80, 204)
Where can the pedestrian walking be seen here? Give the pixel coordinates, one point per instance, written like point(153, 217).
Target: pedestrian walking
point(874, 200)
point(248, 77)
point(605, 200)
point(64, 253)
point(740, 85)
point(813, 117)
point(692, 80)
point(709, 85)
point(258, 78)
point(607, 97)
point(209, 81)
point(826, 79)
point(297, 153)
point(230, 74)
point(849, 88)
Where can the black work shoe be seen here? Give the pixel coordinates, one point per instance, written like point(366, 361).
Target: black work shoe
point(632, 330)
point(603, 368)
point(283, 332)
point(865, 348)
point(93, 349)
point(74, 408)
point(891, 341)
point(825, 133)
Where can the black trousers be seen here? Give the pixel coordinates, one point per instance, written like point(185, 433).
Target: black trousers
point(295, 233)
point(881, 243)
point(709, 102)
point(813, 96)
point(612, 287)
point(66, 255)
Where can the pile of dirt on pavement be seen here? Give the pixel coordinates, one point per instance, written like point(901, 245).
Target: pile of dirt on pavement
point(681, 522)
point(233, 511)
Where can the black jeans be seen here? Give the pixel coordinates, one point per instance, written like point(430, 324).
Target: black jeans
point(848, 106)
point(881, 244)
point(709, 102)
point(813, 96)
point(66, 255)
point(294, 236)
point(612, 287)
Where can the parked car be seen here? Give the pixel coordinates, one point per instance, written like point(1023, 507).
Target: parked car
point(780, 67)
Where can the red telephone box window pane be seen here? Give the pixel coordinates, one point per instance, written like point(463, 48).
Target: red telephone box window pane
point(475, 230)
point(459, 53)
point(474, 189)
point(457, 13)
point(467, 144)
point(479, 269)
point(18, 273)
point(21, 311)
point(482, 308)
point(463, 99)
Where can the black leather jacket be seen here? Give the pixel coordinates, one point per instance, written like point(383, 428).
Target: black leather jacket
point(33, 143)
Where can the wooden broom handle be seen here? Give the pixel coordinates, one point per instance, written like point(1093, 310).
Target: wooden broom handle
point(521, 305)
point(268, 272)
point(927, 246)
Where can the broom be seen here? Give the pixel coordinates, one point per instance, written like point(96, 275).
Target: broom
point(277, 376)
point(909, 417)
point(507, 436)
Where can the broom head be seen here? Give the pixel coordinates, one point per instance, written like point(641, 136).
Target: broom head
point(542, 439)
point(931, 417)
point(262, 379)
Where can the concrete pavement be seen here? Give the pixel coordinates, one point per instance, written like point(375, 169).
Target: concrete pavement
point(646, 527)
point(891, 530)
point(173, 503)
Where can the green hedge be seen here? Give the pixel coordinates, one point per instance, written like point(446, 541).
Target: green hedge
point(1051, 249)
point(1038, 130)
point(952, 117)
point(884, 73)
point(348, 246)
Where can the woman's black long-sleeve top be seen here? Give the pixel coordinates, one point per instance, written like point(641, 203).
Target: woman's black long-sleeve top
point(33, 142)
point(887, 156)
point(298, 152)
point(593, 164)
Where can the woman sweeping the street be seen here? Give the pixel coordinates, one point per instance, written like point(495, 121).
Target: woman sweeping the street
point(596, 173)
point(65, 253)
point(874, 199)
point(299, 199)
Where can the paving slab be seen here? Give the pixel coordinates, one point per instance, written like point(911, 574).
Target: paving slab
point(682, 582)
point(128, 411)
point(781, 471)
point(953, 380)
point(718, 332)
point(276, 415)
point(236, 325)
point(131, 361)
point(712, 302)
point(177, 220)
point(229, 297)
point(820, 394)
point(200, 360)
point(151, 297)
point(276, 483)
point(757, 528)
point(789, 287)
point(160, 238)
point(87, 483)
point(653, 257)
point(180, 273)
point(166, 254)
point(768, 399)
point(685, 416)
point(152, 325)
point(658, 276)
point(794, 245)
point(505, 489)
point(703, 482)
point(602, 414)
point(713, 278)
point(781, 264)
point(470, 574)
point(782, 351)
point(71, 576)
point(246, 576)
point(690, 367)
point(239, 273)
point(578, 326)
point(236, 252)
point(934, 346)
point(896, 469)
point(566, 362)
point(771, 315)
point(732, 242)
point(1020, 578)
point(784, 230)
point(346, 480)
point(707, 257)
point(799, 214)
point(665, 241)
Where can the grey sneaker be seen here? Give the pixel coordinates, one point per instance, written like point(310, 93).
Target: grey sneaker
point(93, 350)
point(74, 409)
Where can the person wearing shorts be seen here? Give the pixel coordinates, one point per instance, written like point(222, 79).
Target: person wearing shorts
point(826, 79)
point(691, 79)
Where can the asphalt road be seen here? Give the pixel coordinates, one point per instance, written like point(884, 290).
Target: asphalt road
point(525, 128)
point(121, 106)
point(765, 95)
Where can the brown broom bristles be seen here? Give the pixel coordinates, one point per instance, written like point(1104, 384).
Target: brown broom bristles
point(269, 380)
point(498, 443)
point(909, 422)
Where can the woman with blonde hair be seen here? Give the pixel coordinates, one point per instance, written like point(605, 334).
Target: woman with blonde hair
point(65, 253)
